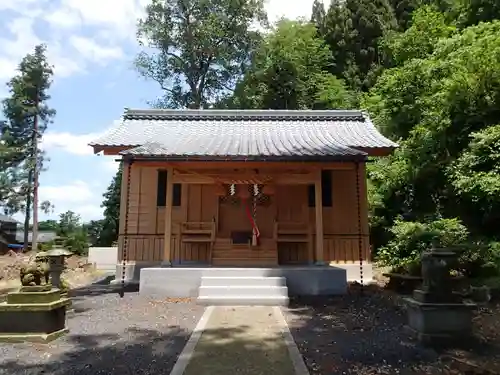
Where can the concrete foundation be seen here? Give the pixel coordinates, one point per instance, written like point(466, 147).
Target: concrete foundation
point(133, 270)
point(300, 281)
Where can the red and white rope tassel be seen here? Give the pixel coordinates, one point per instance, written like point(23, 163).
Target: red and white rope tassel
point(255, 229)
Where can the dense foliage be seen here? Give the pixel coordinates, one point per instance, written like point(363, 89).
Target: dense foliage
point(70, 228)
point(199, 48)
point(427, 71)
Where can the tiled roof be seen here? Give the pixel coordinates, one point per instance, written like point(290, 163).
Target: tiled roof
point(244, 134)
point(42, 237)
point(7, 219)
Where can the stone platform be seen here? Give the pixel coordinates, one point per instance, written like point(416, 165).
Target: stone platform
point(255, 285)
point(35, 314)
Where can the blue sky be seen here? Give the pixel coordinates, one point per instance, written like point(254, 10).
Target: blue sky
point(91, 44)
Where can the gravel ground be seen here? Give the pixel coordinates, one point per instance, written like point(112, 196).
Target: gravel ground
point(109, 335)
point(357, 335)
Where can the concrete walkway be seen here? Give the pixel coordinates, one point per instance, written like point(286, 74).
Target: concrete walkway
point(241, 340)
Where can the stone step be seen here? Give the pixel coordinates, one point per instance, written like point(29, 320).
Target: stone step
point(243, 281)
point(241, 272)
point(243, 301)
point(243, 291)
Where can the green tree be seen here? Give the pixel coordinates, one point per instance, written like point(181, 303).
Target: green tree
point(353, 30)
point(48, 225)
point(109, 226)
point(433, 105)
point(69, 222)
point(77, 241)
point(200, 47)
point(476, 178)
point(27, 115)
point(9, 199)
point(94, 230)
point(289, 71)
point(318, 15)
point(428, 27)
point(472, 12)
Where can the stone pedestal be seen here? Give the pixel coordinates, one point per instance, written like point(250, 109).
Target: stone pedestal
point(35, 314)
point(437, 315)
point(440, 323)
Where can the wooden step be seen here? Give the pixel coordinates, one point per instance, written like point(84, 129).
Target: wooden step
point(245, 262)
point(245, 257)
point(197, 231)
point(303, 232)
point(196, 239)
point(244, 254)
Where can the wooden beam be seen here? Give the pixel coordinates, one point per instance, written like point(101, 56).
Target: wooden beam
point(280, 179)
point(110, 150)
point(167, 251)
point(221, 165)
point(319, 220)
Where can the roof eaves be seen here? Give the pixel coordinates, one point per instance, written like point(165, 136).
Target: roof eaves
point(369, 122)
point(229, 158)
point(240, 115)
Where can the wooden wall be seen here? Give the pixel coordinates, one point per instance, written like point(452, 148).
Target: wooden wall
point(146, 221)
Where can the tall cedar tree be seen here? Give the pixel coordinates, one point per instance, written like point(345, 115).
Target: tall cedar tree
point(26, 104)
point(318, 16)
point(200, 47)
point(353, 30)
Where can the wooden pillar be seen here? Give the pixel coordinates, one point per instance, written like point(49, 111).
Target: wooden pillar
point(167, 250)
point(320, 259)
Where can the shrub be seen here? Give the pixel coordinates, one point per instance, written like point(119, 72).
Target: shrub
point(410, 239)
point(46, 246)
point(77, 243)
point(480, 259)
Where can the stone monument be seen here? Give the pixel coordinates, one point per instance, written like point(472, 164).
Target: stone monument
point(436, 314)
point(37, 312)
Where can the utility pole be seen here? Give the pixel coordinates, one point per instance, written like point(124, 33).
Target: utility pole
point(34, 239)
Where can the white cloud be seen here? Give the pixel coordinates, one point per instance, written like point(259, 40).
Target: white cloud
point(109, 25)
point(63, 18)
point(289, 9)
point(76, 192)
point(89, 212)
point(76, 144)
point(78, 196)
point(22, 39)
point(80, 33)
point(94, 51)
point(109, 163)
point(120, 16)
